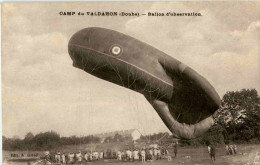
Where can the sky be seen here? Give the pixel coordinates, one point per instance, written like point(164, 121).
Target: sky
point(42, 91)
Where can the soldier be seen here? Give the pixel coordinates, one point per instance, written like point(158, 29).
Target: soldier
point(67, 158)
point(86, 157)
point(135, 155)
point(127, 155)
point(143, 155)
point(209, 149)
point(230, 148)
point(63, 158)
point(90, 157)
point(175, 149)
point(123, 156)
point(235, 148)
point(155, 152)
point(119, 156)
point(139, 155)
point(101, 155)
point(58, 157)
point(75, 158)
point(79, 157)
point(150, 154)
point(166, 152)
point(212, 152)
point(130, 155)
point(71, 157)
point(159, 156)
point(47, 155)
point(227, 149)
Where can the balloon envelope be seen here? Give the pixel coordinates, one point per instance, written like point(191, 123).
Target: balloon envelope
point(183, 99)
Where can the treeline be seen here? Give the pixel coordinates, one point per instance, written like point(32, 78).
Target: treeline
point(45, 141)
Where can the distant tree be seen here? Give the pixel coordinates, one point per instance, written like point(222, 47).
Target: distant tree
point(17, 144)
point(29, 136)
point(47, 140)
point(91, 139)
point(4, 138)
point(108, 139)
point(118, 138)
point(214, 135)
point(6, 142)
point(15, 137)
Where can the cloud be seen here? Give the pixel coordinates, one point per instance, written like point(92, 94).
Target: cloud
point(31, 60)
point(222, 56)
point(241, 66)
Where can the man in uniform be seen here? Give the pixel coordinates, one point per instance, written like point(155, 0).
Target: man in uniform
point(230, 148)
point(155, 152)
point(128, 155)
point(235, 149)
point(86, 156)
point(58, 157)
point(90, 157)
point(63, 158)
point(143, 155)
point(71, 157)
point(135, 155)
point(175, 149)
point(150, 154)
point(79, 157)
point(101, 155)
point(159, 156)
point(119, 156)
point(227, 150)
point(212, 152)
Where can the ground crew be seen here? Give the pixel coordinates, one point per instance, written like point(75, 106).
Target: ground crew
point(143, 155)
point(175, 149)
point(86, 157)
point(212, 152)
point(119, 156)
point(63, 158)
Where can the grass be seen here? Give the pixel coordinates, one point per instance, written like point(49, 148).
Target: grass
point(198, 156)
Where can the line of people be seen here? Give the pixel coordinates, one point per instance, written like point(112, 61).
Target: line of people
point(74, 158)
point(142, 155)
point(148, 154)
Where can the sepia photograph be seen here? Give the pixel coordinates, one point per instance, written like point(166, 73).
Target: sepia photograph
point(131, 83)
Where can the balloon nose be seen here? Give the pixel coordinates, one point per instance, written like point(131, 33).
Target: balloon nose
point(82, 37)
point(75, 55)
point(79, 41)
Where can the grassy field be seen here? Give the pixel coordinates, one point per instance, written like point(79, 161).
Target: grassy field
point(198, 156)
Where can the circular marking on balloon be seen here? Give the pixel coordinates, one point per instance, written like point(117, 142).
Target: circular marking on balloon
point(182, 67)
point(116, 50)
